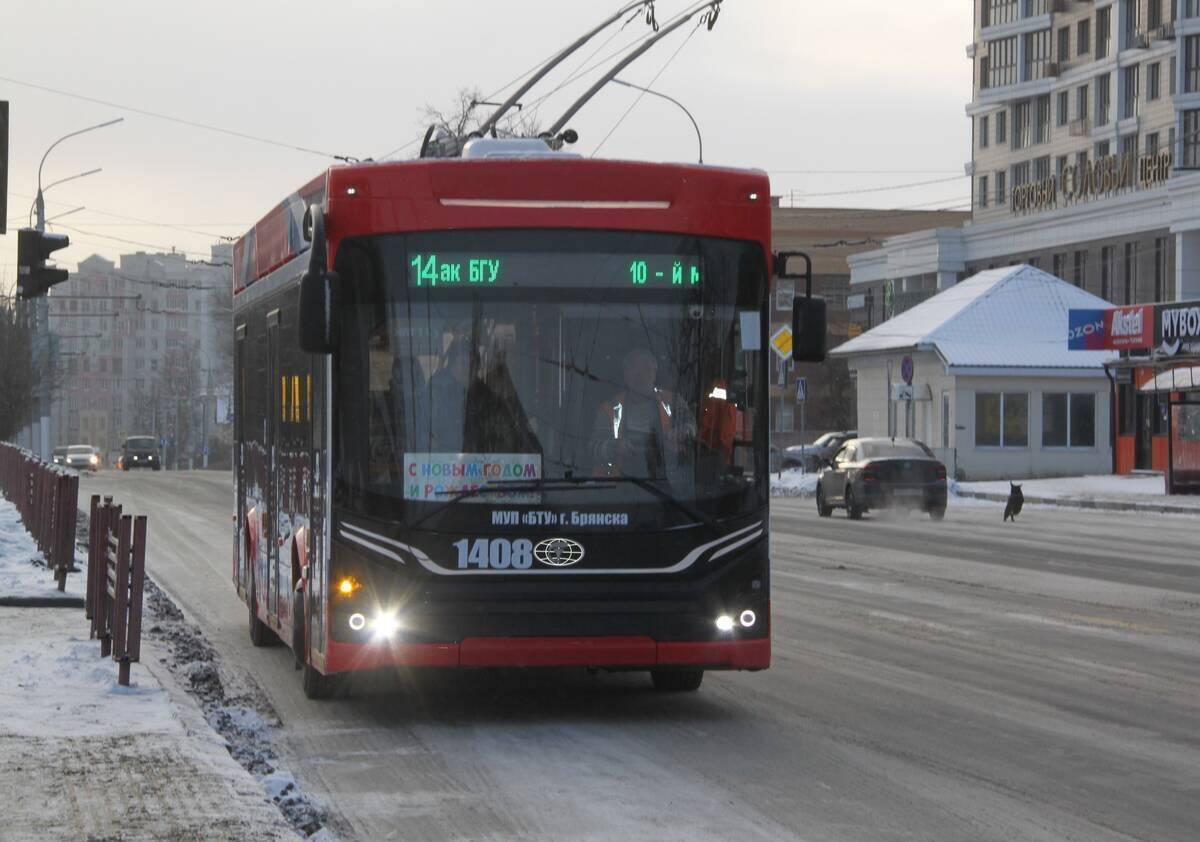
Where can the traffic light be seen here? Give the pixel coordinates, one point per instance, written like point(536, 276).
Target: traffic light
point(34, 277)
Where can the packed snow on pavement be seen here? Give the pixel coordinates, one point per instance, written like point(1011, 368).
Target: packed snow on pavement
point(82, 757)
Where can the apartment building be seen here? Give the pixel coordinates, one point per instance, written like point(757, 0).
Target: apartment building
point(137, 346)
point(1085, 148)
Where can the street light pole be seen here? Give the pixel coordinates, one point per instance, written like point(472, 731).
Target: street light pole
point(699, 139)
point(33, 206)
point(42, 306)
point(40, 201)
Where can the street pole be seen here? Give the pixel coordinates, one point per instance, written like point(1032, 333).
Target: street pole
point(42, 306)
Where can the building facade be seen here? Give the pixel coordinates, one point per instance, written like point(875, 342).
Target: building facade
point(1085, 144)
point(139, 351)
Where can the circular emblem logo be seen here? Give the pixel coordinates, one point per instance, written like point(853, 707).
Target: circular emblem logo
point(558, 552)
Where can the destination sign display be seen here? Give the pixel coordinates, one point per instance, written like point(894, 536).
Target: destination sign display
point(542, 269)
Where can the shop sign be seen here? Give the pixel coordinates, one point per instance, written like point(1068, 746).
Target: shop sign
point(1177, 327)
point(1130, 327)
point(1170, 327)
point(1086, 330)
point(1112, 328)
point(1099, 178)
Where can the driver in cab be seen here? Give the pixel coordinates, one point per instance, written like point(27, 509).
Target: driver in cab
point(641, 429)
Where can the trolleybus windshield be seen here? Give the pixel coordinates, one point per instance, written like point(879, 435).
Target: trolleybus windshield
point(473, 358)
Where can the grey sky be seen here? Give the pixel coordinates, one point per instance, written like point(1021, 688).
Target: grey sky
point(783, 85)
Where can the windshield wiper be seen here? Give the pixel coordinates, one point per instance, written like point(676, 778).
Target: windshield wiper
point(573, 483)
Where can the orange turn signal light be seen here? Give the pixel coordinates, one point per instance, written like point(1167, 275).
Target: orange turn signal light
point(348, 586)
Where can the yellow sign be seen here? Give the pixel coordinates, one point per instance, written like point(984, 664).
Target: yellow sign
point(781, 342)
point(855, 330)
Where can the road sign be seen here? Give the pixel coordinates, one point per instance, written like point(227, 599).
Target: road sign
point(781, 342)
point(902, 392)
point(906, 369)
point(801, 389)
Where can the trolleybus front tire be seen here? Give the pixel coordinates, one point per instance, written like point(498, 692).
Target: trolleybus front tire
point(676, 681)
point(317, 685)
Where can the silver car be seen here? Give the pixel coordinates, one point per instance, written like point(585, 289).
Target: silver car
point(82, 457)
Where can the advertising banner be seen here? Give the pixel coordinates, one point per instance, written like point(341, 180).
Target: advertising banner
point(436, 477)
point(1177, 327)
point(1087, 332)
point(1129, 327)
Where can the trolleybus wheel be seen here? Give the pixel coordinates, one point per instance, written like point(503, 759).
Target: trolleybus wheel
point(676, 681)
point(317, 685)
point(260, 632)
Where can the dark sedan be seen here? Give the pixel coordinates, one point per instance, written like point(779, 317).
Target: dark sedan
point(140, 452)
point(870, 474)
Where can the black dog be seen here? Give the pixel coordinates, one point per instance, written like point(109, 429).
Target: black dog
point(1015, 501)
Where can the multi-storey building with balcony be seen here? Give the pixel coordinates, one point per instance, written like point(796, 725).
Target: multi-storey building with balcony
point(1085, 120)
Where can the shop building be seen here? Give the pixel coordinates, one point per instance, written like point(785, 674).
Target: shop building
point(1155, 386)
point(981, 373)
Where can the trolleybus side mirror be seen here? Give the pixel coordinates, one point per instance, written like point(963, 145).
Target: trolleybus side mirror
point(808, 314)
point(808, 330)
point(317, 320)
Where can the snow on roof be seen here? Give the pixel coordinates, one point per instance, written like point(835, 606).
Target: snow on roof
point(1015, 317)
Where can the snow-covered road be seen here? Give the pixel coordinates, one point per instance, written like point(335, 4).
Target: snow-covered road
point(965, 680)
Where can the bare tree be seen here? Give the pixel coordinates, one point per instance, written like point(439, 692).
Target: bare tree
point(17, 377)
point(453, 126)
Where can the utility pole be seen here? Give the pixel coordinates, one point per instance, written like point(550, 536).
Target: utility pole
point(41, 310)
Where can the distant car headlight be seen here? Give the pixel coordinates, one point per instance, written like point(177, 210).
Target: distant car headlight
point(95, 460)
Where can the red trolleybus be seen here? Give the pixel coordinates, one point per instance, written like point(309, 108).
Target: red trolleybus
point(508, 411)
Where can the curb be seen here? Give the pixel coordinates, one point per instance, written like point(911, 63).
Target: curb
point(41, 602)
point(1085, 503)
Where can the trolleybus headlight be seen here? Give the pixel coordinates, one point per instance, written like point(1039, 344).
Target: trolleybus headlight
point(725, 623)
point(357, 622)
point(748, 618)
point(385, 625)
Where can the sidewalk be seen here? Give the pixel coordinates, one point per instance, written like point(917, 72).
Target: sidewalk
point(1124, 493)
point(1106, 493)
point(82, 757)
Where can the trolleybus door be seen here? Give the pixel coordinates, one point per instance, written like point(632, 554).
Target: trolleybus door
point(239, 425)
point(275, 390)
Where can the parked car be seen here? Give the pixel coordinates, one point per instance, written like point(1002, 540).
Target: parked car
point(140, 452)
point(810, 456)
point(82, 457)
point(879, 473)
point(59, 456)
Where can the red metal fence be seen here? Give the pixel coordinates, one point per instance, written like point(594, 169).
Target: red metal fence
point(46, 498)
point(116, 579)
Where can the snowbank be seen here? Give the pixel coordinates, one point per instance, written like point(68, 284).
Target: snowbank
point(1115, 488)
point(793, 483)
point(23, 571)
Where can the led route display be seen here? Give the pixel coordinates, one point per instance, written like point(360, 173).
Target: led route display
point(533, 269)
